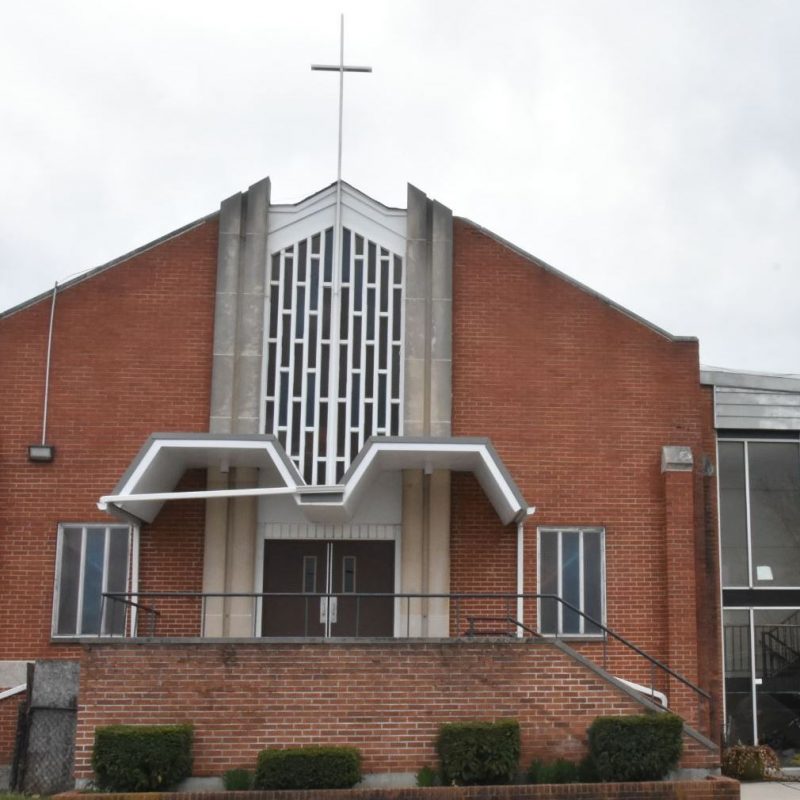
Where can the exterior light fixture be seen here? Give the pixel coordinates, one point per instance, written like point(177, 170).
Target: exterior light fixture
point(41, 452)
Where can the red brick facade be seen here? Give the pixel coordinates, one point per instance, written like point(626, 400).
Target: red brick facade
point(131, 355)
point(577, 397)
point(386, 699)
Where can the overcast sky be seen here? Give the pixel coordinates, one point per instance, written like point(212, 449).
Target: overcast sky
point(649, 149)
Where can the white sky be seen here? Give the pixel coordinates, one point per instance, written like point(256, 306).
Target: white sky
point(649, 149)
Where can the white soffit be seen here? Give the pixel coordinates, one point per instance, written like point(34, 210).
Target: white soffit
point(288, 224)
point(164, 459)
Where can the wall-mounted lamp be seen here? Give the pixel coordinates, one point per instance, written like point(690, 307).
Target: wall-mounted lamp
point(41, 452)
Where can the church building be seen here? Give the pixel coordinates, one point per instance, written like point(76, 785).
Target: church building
point(330, 472)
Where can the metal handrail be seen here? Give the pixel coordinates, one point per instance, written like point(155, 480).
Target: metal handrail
point(456, 598)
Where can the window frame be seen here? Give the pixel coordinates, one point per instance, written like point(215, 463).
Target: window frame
point(598, 530)
point(132, 580)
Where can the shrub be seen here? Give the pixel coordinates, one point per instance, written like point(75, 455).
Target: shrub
point(237, 780)
point(141, 758)
point(481, 753)
point(428, 776)
point(308, 768)
point(635, 748)
point(558, 771)
point(749, 762)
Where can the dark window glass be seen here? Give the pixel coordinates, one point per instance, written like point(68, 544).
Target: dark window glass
point(382, 345)
point(310, 574)
point(570, 580)
point(384, 285)
point(297, 424)
point(548, 581)
point(356, 345)
point(315, 244)
point(323, 378)
point(345, 255)
point(116, 580)
point(592, 581)
point(355, 399)
point(298, 370)
point(395, 427)
point(358, 285)
point(342, 370)
point(398, 270)
point(371, 262)
point(359, 245)
point(93, 580)
point(733, 513)
point(273, 312)
point(288, 284)
point(313, 285)
point(301, 261)
point(310, 399)
point(370, 312)
point(283, 405)
point(276, 267)
point(286, 340)
point(370, 372)
point(68, 585)
point(269, 417)
point(326, 313)
point(271, 368)
point(328, 255)
point(382, 401)
point(312, 341)
point(353, 445)
point(349, 574)
point(322, 439)
point(345, 313)
point(342, 430)
point(300, 315)
point(367, 420)
point(396, 372)
point(397, 315)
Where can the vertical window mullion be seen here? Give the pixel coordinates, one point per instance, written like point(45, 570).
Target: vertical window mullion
point(581, 604)
point(747, 514)
point(560, 573)
point(104, 580)
point(304, 370)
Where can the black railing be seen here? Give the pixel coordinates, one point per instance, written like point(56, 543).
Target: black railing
point(420, 615)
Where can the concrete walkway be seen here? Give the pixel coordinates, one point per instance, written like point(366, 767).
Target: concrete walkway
point(771, 791)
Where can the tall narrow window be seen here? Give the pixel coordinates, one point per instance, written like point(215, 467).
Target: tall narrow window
point(358, 340)
point(92, 560)
point(571, 567)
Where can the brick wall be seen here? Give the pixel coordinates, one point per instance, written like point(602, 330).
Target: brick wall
point(386, 699)
point(131, 355)
point(578, 398)
point(9, 709)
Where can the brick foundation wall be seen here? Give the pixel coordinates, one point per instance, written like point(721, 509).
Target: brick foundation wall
point(387, 699)
point(9, 709)
point(579, 398)
point(131, 355)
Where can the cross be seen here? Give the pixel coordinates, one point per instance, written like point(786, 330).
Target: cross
point(337, 249)
point(341, 69)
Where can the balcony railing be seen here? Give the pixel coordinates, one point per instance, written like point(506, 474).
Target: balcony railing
point(177, 615)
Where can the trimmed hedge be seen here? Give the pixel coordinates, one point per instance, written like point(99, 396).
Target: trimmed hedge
point(635, 748)
point(479, 753)
point(308, 768)
point(141, 758)
point(237, 780)
point(558, 771)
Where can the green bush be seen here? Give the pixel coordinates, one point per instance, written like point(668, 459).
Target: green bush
point(635, 748)
point(428, 776)
point(237, 780)
point(558, 771)
point(750, 763)
point(481, 753)
point(141, 758)
point(308, 768)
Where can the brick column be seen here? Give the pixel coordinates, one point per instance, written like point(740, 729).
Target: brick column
point(681, 580)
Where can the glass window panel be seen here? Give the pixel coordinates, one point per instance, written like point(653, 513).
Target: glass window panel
point(382, 346)
point(368, 420)
point(384, 285)
point(357, 342)
point(271, 368)
point(116, 581)
point(297, 424)
point(342, 429)
point(312, 342)
point(315, 240)
point(339, 471)
point(733, 513)
point(288, 285)
point(323, 378)
point(358, 287)
point(297, 388)
point(93, 580)
point(548, 581)
point(301, 261)
point(310, 574)
point(308, 469)
point(370, 371)
point(396, 372)
point(775, 512)
point(69, 581)
point(370, 311)
point(381, 401)
point(326, 313)
point(570, 580)
point(345, 255)
point(398, 270)
point(592, 580)
point(300, 314)
point(397, 314)
point(313, 285)
point(342, 370)
point(345, 313)
point(310, 399)
point(286, 340)
point(321, 472)
point(353, 445)
point(283, 404)
point(349, 574)
point(359, 245)
point(323, 432)
point(328, 255)
point(269, 422)
point(355, 400)
point(371, 263)
point(738, 676)
point(395, 425)
point(276, 267)
point(273, 312)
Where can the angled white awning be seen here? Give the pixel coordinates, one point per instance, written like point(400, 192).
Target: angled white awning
point(152, 476)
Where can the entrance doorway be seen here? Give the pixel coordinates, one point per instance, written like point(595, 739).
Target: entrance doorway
point(327, 586)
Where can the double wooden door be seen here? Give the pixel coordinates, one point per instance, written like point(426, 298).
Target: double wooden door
point(319, 588)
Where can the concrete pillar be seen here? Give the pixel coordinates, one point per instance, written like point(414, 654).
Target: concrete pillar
point(681, 577)
point(214, 554)
point(425, 552)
